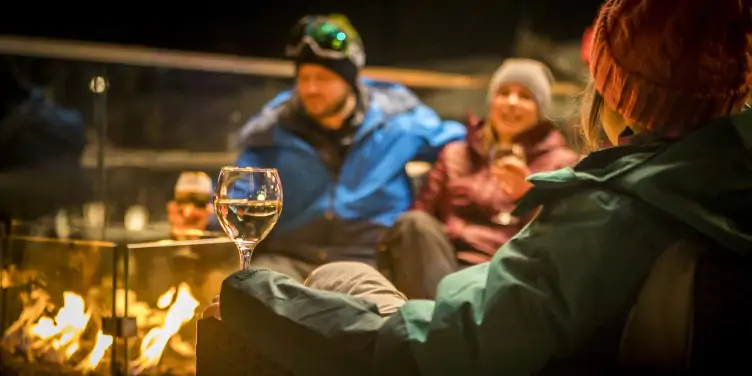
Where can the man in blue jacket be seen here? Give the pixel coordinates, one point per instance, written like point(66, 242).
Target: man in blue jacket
point(340, 144)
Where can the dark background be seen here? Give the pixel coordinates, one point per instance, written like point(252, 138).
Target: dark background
point(394, 31)
point(148, 110)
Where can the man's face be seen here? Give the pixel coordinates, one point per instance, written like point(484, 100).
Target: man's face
point(322, 91)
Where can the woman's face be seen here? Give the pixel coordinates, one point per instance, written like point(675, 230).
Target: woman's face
point(513, 110)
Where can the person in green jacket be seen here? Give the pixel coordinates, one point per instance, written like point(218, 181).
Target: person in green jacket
point(669, 82)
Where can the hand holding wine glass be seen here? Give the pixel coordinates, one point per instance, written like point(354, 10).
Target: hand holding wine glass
point(248, 203)
point(511, 174)
point(510, 171)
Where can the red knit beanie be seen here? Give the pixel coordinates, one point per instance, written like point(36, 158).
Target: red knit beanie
point(672, 64)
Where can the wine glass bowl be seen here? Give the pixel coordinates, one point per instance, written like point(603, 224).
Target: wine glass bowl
point(499, 153)
point(248, 203)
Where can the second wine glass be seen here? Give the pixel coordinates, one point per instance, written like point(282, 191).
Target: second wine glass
point(505, 218)
point(248, 203)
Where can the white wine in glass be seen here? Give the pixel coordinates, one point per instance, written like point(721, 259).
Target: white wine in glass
point(248, 202)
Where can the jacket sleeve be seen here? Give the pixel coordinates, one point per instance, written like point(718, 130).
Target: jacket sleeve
point(248, 158)
point(432, 193)
point(540, 298)
point(560, 158)
point(306, 331)
point(435, 132)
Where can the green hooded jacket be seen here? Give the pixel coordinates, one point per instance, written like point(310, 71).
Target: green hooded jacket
point(547, 294)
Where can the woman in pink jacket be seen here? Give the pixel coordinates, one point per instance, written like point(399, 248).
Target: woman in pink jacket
point(463, 213)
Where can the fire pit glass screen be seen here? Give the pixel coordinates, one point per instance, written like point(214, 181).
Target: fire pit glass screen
point(181, 278)
point(56, 297)
point(83, 307)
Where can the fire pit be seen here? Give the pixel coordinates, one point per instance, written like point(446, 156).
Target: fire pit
point(63, 313)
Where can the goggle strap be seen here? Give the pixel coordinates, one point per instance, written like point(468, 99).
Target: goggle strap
point(355, 53)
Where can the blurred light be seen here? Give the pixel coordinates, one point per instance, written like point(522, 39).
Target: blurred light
point(62, 225)
point(416, 168)
point(98, 85)
point(94, 213)
point(136, 218)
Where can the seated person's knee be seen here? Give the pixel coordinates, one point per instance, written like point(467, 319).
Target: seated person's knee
point(337, 276)
point(415, 220)
point(360, 280)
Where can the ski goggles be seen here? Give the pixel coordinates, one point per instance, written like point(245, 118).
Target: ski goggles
point(198, 200)
point(325, 39)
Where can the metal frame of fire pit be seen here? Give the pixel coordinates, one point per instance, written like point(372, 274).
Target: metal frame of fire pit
point(119, 327)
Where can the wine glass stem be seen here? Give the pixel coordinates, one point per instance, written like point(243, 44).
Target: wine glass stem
point(246, 252)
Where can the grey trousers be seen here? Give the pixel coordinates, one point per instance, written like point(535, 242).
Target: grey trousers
point(416, 254)
point(360, 280)
point(347, 277)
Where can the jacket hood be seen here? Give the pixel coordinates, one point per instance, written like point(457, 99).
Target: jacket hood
point(703, 180)
point(388, 97)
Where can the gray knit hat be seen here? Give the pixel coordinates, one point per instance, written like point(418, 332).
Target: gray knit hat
point(532, 74)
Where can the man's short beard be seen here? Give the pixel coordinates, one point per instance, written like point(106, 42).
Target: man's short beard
point(335, 109)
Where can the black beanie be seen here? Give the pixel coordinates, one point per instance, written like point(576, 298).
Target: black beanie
point(344, 67)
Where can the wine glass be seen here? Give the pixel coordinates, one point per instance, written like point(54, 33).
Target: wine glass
point(505, 218)
point(248, 202)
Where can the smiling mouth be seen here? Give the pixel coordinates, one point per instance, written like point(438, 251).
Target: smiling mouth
point(511, 118)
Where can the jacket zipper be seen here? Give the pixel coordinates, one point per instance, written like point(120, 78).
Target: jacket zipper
point(330, 215)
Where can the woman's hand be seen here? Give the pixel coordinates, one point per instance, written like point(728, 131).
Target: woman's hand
point(511, 174)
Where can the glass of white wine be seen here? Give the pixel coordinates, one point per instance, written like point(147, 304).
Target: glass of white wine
point(505, 218)
point(248, 202)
